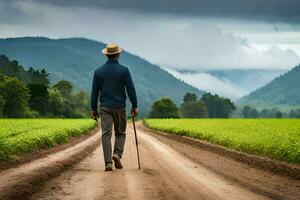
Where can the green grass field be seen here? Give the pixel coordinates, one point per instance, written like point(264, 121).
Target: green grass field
point(275, 138)
point(20, 136)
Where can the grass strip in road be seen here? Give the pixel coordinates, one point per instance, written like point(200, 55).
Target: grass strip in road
point(275, 138)
point(21, 136)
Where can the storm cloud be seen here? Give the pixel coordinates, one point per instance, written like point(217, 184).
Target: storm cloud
point(278, 10)
point(177, 35)
point(179, 43)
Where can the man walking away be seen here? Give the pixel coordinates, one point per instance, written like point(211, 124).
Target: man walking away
point(111, 80)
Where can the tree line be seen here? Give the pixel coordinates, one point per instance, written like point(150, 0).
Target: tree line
point(208, 106)
point(213, 106)
point(28, 93)
point(251, 112)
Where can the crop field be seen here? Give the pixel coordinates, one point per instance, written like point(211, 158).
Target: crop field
point(20, 136)
point(275, 138)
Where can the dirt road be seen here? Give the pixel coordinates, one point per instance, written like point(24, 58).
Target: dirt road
point(167, 173)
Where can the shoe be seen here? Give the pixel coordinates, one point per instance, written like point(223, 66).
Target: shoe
point(117, 161)
point(108, 167)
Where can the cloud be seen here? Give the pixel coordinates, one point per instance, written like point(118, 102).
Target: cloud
point(209, 83)
point(204, 46)
point(10, 14)
point(19, 13)
point(180, 43)
point(175, 42)
point(287, 10)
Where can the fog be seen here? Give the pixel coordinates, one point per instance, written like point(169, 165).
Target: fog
point(207, 82)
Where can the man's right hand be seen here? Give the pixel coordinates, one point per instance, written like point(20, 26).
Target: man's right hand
point(94, 115)
point(134, 112)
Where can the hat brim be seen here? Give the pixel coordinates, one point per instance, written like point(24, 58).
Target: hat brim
point(104, 51)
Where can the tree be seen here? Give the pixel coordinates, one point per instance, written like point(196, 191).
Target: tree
point(80, 101)
point(16, 96)
point(2, 103)
point(39, 77)
point(189, 97)
point(218, 107)
point(265, 113)
point(2, 98)
point(39, 96)
point(294, 113)
point(63, 103)
point(276, 113)
point(197, 109)
point(55, 103)
point(249, 112)
point(65, 87)
point(246, 111)
point(14, 69)
point(164, 108)
point(254, 113)
point(45, 76)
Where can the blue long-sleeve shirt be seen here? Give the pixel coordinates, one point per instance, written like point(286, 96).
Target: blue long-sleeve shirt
point(111, 80)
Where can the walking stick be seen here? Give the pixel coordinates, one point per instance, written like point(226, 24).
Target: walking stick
point(136, 143)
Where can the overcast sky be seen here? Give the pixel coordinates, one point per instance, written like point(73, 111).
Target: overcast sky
point(178, 34)
point(193, 34)
point(197, 35)
point(270, 10)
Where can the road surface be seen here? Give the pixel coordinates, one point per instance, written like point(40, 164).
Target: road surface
point(167, 173)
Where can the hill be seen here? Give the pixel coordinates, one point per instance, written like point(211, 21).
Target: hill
point(14, 69)
point(231, 83)
point(75, 60)
point(248, 79)
point(282, 91)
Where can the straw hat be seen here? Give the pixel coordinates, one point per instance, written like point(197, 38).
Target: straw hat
point(111, 49)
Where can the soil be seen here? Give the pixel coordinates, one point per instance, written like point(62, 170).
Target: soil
point(278, 167)
point(170, 169)
point(19, 160)
point(21, 181)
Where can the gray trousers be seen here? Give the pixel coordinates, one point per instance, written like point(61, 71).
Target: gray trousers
point(110, 117)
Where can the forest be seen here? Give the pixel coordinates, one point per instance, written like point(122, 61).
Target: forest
point(214, 106)
point(29, 93)
point(77, 58)
point(208, 106)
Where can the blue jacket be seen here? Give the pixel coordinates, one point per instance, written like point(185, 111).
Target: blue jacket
point(111, 80)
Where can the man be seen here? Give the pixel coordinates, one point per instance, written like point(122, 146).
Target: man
point(111, 80)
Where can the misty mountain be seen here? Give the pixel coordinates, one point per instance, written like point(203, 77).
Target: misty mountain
point(283, 90)
point(248, 79)
point(75, 60)
point(232, 83)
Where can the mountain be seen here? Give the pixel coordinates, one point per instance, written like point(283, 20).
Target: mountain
point(13, 69)
point(231, 83)
point(248, 79)
point(75, 60)
point(282, 91)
